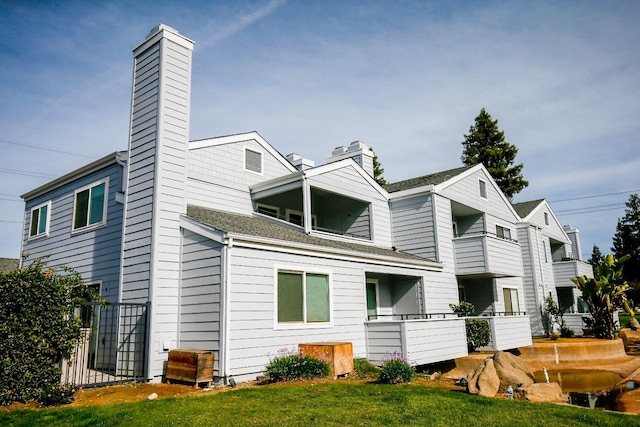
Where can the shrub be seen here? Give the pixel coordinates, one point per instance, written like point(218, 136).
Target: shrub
point(395, 369)
point(57, 394)
point(478, 333)
point(291, 366)
point(38, 329)
point(464, 308)
point(565, 331)
point(362, 368)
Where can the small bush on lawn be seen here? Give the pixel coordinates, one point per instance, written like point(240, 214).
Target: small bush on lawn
point(362, 368)
point(478, 333)
point(395, 369)
point(292, 366)
point(57, 394)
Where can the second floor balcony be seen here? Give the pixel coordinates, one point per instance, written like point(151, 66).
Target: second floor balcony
point(487, 255)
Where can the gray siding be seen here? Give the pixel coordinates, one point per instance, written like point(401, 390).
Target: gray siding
point(94, 253)
point(199, 321)
point(414, 225)
point(349, 182)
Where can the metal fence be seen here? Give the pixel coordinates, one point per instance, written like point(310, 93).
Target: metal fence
point(112, 347)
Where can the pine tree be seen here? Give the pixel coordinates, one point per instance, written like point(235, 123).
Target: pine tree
point(596, 256)
point(378, 170)
point(627, 240)
point(485, 144)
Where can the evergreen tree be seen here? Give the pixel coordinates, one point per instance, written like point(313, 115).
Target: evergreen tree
point(378, 170)
point(485, 144)
point(596, 256)
point(627, 241)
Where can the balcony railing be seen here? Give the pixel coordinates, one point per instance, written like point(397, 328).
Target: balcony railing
point(487, 255)
point(298, 222)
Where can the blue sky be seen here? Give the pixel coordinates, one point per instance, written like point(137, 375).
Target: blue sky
point(407, 78)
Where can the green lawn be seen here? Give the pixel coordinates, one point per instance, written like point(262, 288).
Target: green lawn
point(333, 403)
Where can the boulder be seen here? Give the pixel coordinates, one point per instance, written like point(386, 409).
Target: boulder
point(483, 380)
point(542, 392)
point(512, 371)
point(630, 338)
point(634, 324)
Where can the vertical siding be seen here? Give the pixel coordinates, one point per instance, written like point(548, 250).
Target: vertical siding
point(199, 321)
point(94, 253)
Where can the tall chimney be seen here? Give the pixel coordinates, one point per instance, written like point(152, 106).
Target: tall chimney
point(155, 189)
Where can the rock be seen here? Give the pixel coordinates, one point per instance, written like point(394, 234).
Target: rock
point(542, 392)
point(630, 338)
point(483, 380)
point(634, 324)
point(512, 371)
point(152, 396)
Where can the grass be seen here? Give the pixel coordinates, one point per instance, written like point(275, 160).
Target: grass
point(330, 403)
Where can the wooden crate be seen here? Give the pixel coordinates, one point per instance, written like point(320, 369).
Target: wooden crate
point(192, 366)
point(339, 355)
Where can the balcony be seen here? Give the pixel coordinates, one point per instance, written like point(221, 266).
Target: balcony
point(508, 331)
point(422, 339)
point(567, 268)
point(487, 255)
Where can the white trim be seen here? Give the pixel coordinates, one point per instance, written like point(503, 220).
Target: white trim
point(289, 212)
point(376, 283)
point(244, 159)
point(105, 204)
point(309, 173)
point(302, 270)
point(265, 206)
point(504, 227)
point(47, 224)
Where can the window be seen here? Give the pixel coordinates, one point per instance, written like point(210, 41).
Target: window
point(253, 160)
point(483, 189)
point(511, 304)
point(297, 218)
point(544, 249)
point(40, 220)
point(461, 294)
point(455, 229)
point(303, 298)
point(372, 299)
point(273, 211)
point(546, 218)
point(90, 205)
point(503, 232)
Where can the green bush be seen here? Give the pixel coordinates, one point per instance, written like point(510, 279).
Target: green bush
point(566, 331)
point(478, 333)
point(362, 368)
point(288, 367)
point(57, 394)
point(464, 308)
point(395, 369)
point(38, 329)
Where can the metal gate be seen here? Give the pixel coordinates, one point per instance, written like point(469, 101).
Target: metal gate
point(112, 347)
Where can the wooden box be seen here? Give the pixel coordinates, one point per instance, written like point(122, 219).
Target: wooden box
point(193, 366)
point(339, 355)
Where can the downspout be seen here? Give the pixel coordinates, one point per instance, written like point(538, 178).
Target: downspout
point(225, 309)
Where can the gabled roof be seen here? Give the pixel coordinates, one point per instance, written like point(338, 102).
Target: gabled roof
point(421, 181)
point(262, 228)
point(525, 208)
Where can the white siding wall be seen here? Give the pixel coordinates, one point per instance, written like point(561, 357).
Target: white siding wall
point(200, 297)
point(509, 332)
point(349, 182)
point(253, 338)
point(414, 225)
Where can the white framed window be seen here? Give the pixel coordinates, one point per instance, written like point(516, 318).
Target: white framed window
point(253, 160)
point(546, 218)
point(90, 205)
point(503, 232)
point(39, 222)
point(461, 294)
point(296, 217)
point(372, 291)
point(544, 249)
point(483, 188)
point(455, 229)
point(269, 210)
point(302, 299)
point(511, 303)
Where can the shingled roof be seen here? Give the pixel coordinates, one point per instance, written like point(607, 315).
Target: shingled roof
point(525, 208)
point(431, 179)
point(258, 227)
